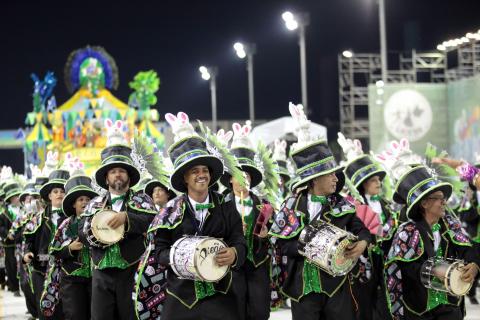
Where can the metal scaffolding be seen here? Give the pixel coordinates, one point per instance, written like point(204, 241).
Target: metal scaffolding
point(357, 72)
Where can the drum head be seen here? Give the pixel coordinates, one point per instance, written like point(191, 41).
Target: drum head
point(102, 231)
point(454, 282)
point(205, 264)
point(341, 265)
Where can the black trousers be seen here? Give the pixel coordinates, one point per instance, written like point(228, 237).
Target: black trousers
point(217, 307)
point(38, 280)
point(371, 296)
point(76, 293)
point(28, 294)
point(112, 293)
point(251, 287)
point(2, 277)
point(319, 306)
point(11, 268)
point(443, 312)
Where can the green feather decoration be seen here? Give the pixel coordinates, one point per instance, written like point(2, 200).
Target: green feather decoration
point(230, 162)
point(271, 179)
point(147, 158)
point(443, 172)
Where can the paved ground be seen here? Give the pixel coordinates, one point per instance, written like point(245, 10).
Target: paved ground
point(14, 308)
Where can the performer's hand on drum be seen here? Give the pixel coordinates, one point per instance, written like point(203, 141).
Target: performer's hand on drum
point(355, 250)
point(28, 257)
point(117, 220)
point(225, 257)
point(469, 272)
point(75, 245)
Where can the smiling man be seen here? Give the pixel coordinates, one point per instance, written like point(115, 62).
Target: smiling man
point(433, 232)
point(198, 211)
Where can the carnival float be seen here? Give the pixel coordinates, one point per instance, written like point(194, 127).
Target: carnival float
point(77, 125)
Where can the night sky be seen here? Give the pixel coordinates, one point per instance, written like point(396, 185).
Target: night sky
point(175, 37)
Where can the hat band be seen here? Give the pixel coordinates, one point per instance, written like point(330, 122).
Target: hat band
point(189, 155)
point(420, 188)
point(246, 161)
point(116, 158)
point(363, 172)
point(317, 167)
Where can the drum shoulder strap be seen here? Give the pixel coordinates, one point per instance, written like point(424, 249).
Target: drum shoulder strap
point(407, 244)
point(94, 205)
point(455, 231)
point(139, 202)
point(170, 216)
point(342, 207)
point(61, 240)
point(287, 223)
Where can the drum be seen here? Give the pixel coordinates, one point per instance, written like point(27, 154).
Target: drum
point(324, 245)
point(444, 275)
point(99, 234)
point(193, 258)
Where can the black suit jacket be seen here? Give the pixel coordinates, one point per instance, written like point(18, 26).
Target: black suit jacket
point(221, 222)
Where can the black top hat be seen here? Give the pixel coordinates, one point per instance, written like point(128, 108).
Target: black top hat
point(56, 179)
point(187, 153)
point(316, 160)
point(246, 159)
point(29, 190)
point(361, 169)
point(40, 181)
point(11, 189)
point(113, 157)
point(76, 186)
point(416, 184)
point(152, 184)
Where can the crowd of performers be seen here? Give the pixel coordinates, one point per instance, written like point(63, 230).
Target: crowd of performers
point(229, 231)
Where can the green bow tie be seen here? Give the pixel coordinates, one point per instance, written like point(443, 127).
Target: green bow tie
point(115, 199)
point(436, 227)
point(375, 197)
point(247, 203)
point(321, 199)
point(203, 206)
point(57, 211)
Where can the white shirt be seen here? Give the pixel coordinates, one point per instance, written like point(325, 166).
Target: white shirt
point(200, 215)
point(243, 210)
point(117, 206)
point(436, 240)
point(313, 208)
point(55, 215)
point(374, 204)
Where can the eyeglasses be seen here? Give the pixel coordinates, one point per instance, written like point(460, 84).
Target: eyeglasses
point(437, 198)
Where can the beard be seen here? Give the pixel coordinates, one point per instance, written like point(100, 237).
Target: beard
point(119, 185)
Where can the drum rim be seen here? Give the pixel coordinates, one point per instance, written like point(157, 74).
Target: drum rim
point(447, 282)
point(108, 243)
point(195, 256)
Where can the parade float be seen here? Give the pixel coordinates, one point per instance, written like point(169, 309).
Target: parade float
point(77, 126)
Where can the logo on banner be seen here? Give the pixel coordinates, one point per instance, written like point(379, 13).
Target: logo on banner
point(408, 114)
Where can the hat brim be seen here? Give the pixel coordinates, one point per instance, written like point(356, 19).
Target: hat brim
point(338, 172)
point(153, 184)
point(49, 186)
point(214, 164)
point(101, 173)
point(25, 194)
point(71, 197)
point(381, 173)
point(445, 187)
point(255, 176)
point(13, 194)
